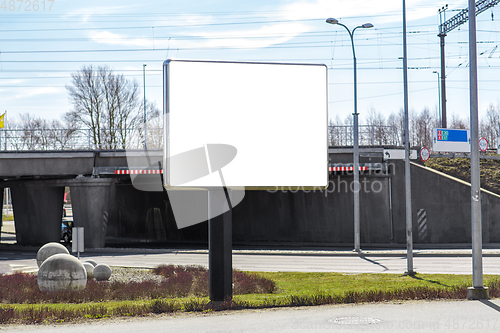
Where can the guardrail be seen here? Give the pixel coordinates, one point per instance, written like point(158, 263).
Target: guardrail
point(369, 135)
point(77, 139)
point(83, 139)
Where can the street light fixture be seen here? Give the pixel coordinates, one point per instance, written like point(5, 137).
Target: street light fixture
point(356, 134)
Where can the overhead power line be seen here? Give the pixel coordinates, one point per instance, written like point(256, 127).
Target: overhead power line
point(444, 28)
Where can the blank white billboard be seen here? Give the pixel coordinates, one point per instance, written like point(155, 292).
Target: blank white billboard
point(258, 125)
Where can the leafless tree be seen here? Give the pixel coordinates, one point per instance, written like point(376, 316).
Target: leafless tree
point(336, 133)
point(106, 103)
point(378, 132)
point(423, 124)
point(489, 125)
point(397, 121)
point(458, 122)
point(35, 133)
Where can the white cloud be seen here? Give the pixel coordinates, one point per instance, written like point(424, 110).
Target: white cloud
point(30, 92)
point(255, 38)
point(13, 81)
point(106, 37)
point(377, 11)
point(84, 14)
point(213, 37)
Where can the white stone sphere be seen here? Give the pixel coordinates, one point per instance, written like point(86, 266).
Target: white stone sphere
point(102, 272)
point(62, 272)
point(90, 261)
point(48, 250)
point(90, 269)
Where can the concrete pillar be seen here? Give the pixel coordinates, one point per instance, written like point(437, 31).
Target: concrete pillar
point(38, 212)
point(90, 203)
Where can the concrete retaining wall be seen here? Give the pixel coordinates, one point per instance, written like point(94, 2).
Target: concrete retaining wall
point(323, 218)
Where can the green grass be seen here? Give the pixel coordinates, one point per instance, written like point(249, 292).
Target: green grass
point(460, 168)
point(294, 289)
point(304, 284)
point(8, 218)
point(308, 283)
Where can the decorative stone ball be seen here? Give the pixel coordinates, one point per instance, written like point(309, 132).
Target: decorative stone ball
point(102, 272)
point(48, 250)
point(91, 262)
point(62, 272)
point(90, 269)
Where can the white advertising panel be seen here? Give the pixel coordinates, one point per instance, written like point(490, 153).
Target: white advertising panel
point(252, 125)
point(451, 140)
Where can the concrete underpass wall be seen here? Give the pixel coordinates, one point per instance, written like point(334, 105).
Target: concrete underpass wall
point(447, 204)
point(321, 218)
point(147, 216)
point(316, 217)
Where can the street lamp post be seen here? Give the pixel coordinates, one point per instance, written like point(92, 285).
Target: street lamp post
point(356, 189)
point(439, 100)
point(145, 125)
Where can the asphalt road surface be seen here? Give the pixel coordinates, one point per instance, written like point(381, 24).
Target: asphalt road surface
point(453, 262)
point(419, 316)
point(407, 317)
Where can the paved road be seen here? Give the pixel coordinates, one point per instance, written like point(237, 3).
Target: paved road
point(436, 316)
point(453, 262)
point(419, 316)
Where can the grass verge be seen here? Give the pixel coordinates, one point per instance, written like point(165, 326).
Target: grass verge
point(460, 168)
point(8, 218)
point(293, 289)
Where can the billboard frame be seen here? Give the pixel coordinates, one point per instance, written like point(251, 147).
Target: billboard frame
point(167, 133)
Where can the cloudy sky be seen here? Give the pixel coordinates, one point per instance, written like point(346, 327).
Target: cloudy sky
point(39, 49)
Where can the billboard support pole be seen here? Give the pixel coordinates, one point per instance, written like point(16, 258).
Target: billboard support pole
point(220, 249)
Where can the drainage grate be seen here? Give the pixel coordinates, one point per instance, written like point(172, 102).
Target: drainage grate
point(354, 321)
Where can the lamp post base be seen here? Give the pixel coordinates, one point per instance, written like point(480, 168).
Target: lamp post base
point(474, 293)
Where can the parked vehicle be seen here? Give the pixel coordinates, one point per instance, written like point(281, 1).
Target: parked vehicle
point(66, 230)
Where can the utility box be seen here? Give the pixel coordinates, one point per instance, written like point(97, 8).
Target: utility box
point(77, 241)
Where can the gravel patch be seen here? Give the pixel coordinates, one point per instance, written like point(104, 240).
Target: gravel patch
point(126, 275)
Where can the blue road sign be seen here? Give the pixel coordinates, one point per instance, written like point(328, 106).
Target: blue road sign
point(451, 140)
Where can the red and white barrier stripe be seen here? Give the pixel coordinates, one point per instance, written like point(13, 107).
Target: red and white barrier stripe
point(138, 172)
point(157, 172)
point(361, 168)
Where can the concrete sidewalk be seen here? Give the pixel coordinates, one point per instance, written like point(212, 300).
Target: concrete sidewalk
point(409, 316)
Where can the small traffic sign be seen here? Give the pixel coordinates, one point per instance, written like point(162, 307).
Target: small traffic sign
point(424, 154)
point(483, 144)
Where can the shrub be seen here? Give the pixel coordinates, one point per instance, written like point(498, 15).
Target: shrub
point(180, 281)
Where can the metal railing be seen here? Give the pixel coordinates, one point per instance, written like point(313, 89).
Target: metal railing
point(369, 135)
point(77, 139)
point(84, 139)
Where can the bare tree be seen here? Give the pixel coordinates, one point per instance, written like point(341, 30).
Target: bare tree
point(379, 133)
point(489, 125)
point(35, 133)
point(423, 124)
point(457, 122)
point(106, 103)
point(336, 133)
point(397, 121)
